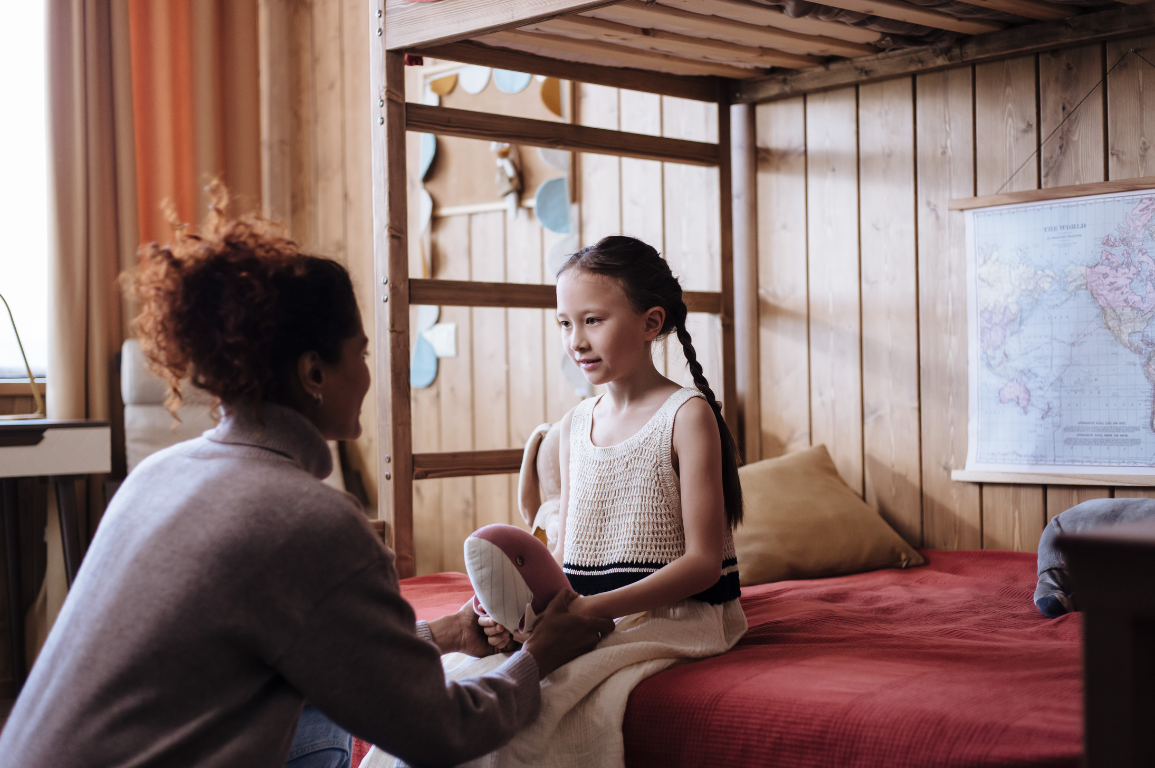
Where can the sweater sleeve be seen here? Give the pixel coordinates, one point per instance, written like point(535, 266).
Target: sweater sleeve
point(360, 660)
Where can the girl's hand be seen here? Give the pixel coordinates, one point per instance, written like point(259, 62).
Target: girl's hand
point(499, 637)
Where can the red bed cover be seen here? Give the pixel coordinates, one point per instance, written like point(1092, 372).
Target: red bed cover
point(945, 665)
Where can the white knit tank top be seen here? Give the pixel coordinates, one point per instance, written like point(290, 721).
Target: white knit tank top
point(624, 519)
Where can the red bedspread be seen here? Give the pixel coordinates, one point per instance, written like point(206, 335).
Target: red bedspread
point(945, 665)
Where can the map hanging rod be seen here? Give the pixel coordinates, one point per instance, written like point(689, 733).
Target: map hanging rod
point(1053, 193)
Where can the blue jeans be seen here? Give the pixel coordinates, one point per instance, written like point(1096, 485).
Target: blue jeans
point(319, 742)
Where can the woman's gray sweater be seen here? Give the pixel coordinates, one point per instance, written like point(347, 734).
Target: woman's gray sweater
point(227, 584)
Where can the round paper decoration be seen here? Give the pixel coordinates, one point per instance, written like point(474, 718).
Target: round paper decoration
point(430, 99)
point(443, 86)
point(511, 82)
point(559, 252)
point(474, 79)
point(551, 95)
point(427, 315)
point(426, 210)
point(539, 78)
point(551, 204)
point(428, 154)
point(423, 368)
point(574, 377)
point(558, 159)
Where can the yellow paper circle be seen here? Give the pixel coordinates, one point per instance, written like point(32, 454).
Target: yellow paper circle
point(443, 86)
point(551, 95)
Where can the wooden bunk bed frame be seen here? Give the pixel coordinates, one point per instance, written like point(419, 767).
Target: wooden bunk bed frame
point(448, 29)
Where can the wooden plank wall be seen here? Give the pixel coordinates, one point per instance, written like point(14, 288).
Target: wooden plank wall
point(506, 378)
point(316, 109)
point(862, 278)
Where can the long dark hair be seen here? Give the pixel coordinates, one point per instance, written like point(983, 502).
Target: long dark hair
point(647, 281)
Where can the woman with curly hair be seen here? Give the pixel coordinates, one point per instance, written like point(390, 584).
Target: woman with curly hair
point(227, 584)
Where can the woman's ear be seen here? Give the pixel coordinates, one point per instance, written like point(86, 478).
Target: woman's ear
point(311, 374)
point(654, 319)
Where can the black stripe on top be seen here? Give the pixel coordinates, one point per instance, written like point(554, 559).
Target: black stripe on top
point(594, 580)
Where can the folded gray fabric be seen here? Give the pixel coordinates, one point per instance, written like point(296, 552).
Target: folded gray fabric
point(1054, 595)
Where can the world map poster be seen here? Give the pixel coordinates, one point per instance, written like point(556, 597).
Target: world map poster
point(1061, 332)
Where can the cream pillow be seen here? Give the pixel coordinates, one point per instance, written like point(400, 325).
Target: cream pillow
point(803, 522)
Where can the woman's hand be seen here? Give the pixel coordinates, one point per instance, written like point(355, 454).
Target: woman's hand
point(459, 632)
point(560, 636)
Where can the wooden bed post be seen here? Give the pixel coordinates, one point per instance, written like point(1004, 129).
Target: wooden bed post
point(745, 196)
point(726, 254)
point(391, 260)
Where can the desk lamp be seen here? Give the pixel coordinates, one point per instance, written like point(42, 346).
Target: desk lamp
point(40, 412)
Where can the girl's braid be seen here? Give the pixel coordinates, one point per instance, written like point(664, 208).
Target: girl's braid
point(696, 367)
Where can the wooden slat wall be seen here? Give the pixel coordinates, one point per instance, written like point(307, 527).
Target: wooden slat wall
point(506, 378)
point(862, 277)
point(315, 153)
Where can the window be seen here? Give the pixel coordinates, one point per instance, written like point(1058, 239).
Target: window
point(23, 186)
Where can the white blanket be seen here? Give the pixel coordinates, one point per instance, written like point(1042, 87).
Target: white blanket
point(583, 704)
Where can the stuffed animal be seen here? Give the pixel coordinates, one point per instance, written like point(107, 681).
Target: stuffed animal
point(513, 575)
point(539, 485)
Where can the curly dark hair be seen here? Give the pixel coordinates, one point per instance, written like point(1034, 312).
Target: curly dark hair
point(233, 306)
point(647, 281)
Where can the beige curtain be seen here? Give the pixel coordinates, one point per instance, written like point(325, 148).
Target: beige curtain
point(92, 237)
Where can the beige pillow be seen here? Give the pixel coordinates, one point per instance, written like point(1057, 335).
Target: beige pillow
point(803, 522)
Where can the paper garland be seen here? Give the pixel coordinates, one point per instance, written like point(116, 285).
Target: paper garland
point(558, 159)
point(423, 368)
point(425, 211)
point(428, 154)
point(560, 252)
point(443, 338)
point(443, 86)
point(511, 82)
point(473, 79)
point(551, 95)
point(427, 315)
point(551, 205)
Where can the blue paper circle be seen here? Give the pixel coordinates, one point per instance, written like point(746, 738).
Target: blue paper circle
point(511, 82)
point(428, 153)
point(423, 369)
point(551, 205)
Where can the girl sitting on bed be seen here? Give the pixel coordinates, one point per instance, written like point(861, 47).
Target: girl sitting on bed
point(649, 496)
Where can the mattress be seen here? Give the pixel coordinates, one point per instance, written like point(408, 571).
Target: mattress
point(949, 664)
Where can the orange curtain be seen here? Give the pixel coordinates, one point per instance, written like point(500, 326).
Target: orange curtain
point(195, 103)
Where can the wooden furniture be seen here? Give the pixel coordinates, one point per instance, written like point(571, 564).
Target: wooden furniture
point(62, 452)
point(1112, 571)
point(733, 54)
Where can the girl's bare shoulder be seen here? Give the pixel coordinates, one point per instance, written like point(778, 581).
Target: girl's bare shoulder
point(695, 420)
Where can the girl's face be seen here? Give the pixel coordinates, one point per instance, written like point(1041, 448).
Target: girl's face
point(601, 330)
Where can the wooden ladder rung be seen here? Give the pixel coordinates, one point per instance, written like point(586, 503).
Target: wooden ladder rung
point(543, 133)
point(464, 293)
point(466, 463)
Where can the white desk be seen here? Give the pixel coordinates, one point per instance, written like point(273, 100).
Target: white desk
point(60, 451)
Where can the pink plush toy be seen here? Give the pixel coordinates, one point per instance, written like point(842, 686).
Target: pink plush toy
point(514, 576)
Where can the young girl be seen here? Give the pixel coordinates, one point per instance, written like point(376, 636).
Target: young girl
point(650, 494)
